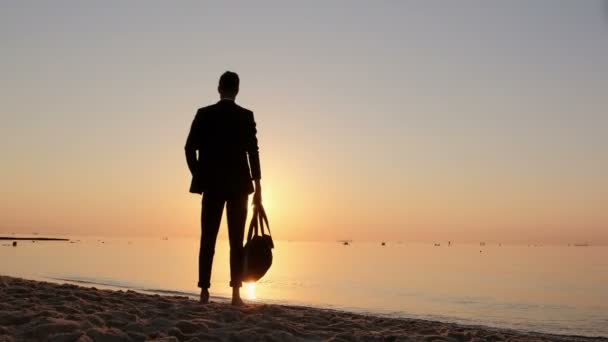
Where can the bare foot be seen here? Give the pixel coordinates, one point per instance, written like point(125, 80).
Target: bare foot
point(204, 296)
point(237, 301)
point(236, 297)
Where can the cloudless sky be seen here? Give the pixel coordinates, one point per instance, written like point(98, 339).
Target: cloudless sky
point(377, 120)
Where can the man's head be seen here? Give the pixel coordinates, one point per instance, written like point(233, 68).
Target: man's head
point(229, 85)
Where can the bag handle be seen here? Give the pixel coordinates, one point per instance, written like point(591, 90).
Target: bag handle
point(258, 220)
point(263, 219)
point(253, 226)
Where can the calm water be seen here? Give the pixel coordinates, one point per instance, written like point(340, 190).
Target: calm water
point(549, 289)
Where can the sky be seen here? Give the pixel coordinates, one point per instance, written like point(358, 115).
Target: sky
point(377, 120)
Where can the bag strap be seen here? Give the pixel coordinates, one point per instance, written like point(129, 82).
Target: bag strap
point(263, 219)
point(253, 226)
point(258, 220)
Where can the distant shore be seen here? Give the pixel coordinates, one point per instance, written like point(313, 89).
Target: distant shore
point(32, 310)
point(15, 238)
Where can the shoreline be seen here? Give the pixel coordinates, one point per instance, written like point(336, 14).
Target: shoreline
point(35, 310)
point(329, 307)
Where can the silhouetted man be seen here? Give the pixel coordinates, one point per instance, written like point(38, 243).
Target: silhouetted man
point(224, 135)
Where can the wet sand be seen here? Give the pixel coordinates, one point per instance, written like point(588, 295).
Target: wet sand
point(41, 311)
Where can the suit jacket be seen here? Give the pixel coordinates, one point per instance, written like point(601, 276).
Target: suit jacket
point(224, 134)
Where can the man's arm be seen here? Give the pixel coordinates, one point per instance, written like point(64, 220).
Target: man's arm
point(191, 160)
point(192, 145)
point(257, 196)
point(253, 152)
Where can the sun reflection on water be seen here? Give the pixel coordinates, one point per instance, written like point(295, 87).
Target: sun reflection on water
point(250, 288)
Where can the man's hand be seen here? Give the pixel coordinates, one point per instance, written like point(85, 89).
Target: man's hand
point(257, 196)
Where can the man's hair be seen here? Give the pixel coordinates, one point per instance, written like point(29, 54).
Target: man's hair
point(229, 83)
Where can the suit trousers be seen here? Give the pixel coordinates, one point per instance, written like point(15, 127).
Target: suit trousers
point(211, 217)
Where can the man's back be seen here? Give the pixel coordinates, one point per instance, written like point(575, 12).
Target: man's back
point(224, 135)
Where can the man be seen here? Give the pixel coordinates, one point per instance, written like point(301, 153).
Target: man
point(224, 135)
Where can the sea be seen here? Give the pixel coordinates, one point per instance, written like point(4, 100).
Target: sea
point(550, 289)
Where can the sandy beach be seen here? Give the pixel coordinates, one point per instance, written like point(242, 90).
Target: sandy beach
point(41, 311)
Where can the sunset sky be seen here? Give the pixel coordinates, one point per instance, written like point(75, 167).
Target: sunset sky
point(377, 120)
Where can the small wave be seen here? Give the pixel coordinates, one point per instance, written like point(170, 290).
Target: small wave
point(122, 286)
point(171, 292)
point(95, 282)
